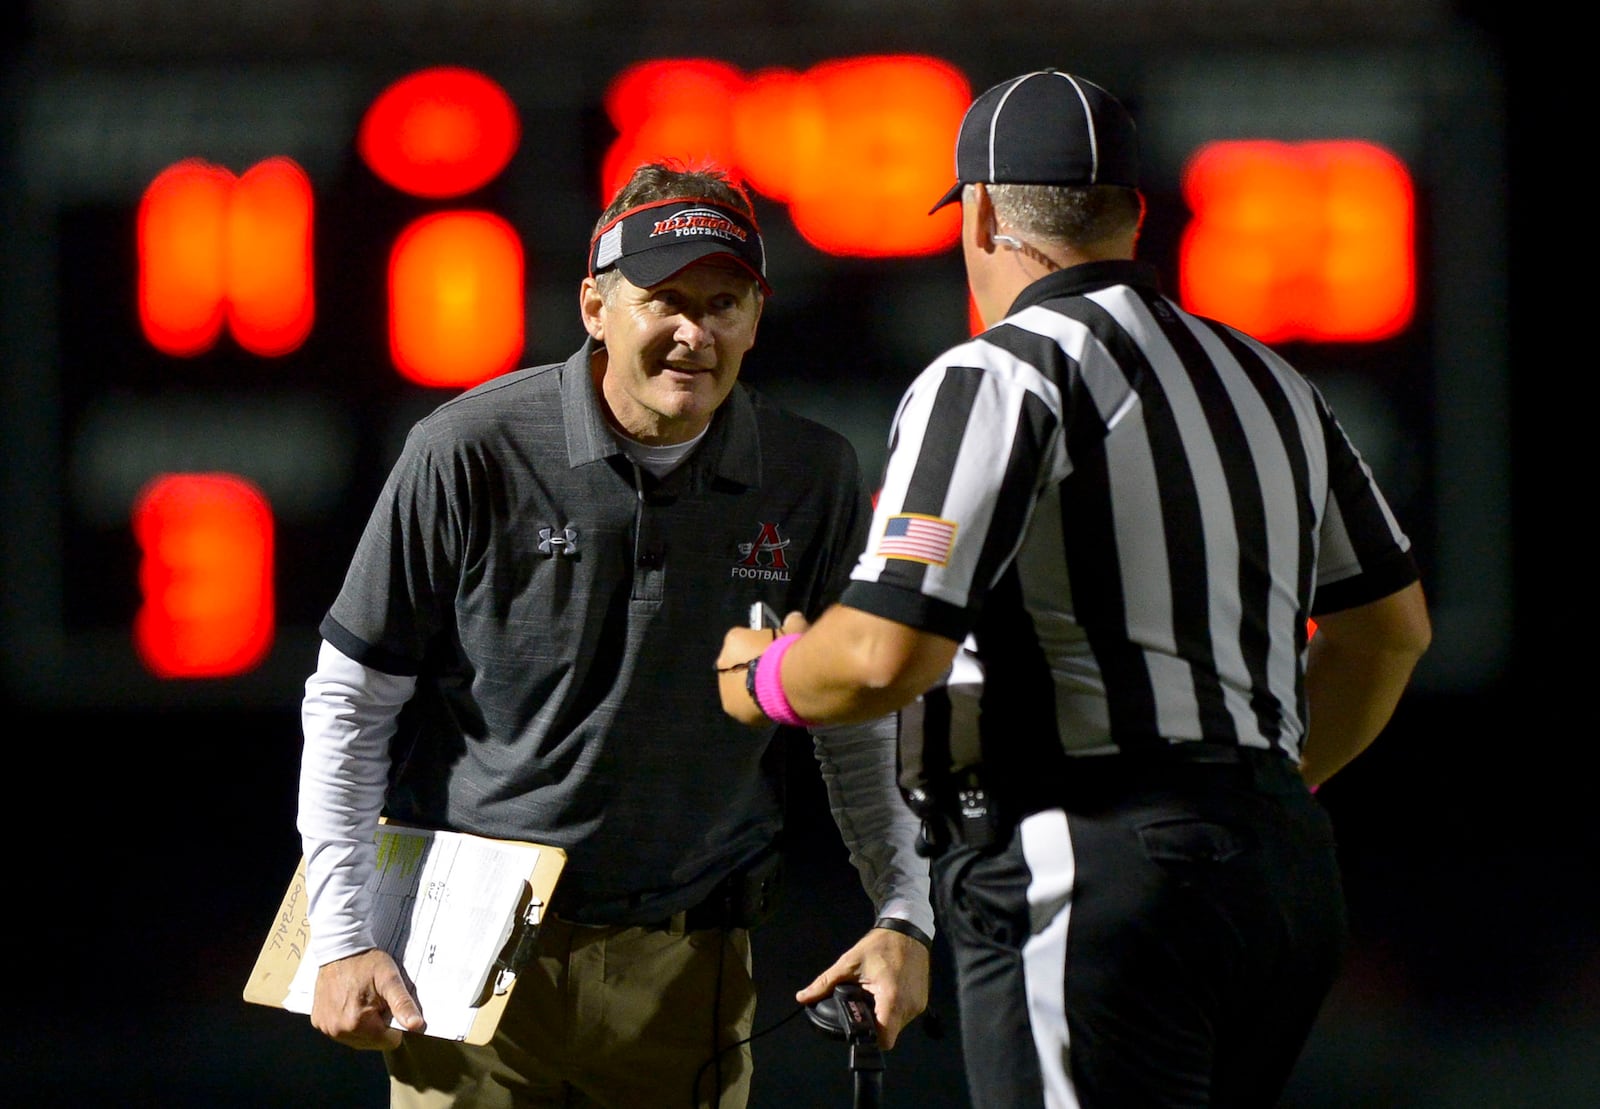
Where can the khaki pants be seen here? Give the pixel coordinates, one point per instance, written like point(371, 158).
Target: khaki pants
point(607, 1018)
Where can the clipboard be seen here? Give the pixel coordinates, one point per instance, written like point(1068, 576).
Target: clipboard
point(460, 914)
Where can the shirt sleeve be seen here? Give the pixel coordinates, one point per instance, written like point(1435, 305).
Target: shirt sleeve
point(975, 438)
point(880, 831)
point(399, 590)
point(1363, 553)
point(348, 716)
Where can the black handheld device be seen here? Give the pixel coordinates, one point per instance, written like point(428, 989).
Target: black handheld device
point(846, 1014)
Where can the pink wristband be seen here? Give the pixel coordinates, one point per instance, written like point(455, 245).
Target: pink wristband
point(769, 684)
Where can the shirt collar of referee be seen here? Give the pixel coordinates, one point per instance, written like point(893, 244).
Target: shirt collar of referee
point(1085, 278)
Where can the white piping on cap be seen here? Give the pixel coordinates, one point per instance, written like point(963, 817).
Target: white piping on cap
point(1088, 123)
point(1088, 119)
point(994, 120)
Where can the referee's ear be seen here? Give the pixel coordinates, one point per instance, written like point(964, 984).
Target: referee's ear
point(979, 222)
point(990, 284)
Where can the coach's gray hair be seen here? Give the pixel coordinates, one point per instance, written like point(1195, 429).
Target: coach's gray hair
point(663, 181)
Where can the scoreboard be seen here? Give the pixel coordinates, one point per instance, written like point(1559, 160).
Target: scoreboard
point(229, 292)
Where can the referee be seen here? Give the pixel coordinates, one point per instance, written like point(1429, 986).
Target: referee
point(1104, 525)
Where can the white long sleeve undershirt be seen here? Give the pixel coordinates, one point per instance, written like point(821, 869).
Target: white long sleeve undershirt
point(348, 716)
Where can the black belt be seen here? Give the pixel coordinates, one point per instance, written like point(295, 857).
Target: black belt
point(1186, 754)
point(1260, 763)
point(744, 899)
point(704, 917)
point(972, 816)
point(701, 918)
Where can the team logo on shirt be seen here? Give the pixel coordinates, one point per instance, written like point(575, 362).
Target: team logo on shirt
point(764, 558)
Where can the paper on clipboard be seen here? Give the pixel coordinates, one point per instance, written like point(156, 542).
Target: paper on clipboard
point(444, 905)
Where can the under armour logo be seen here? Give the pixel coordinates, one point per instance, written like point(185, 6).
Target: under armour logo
point(558, 541)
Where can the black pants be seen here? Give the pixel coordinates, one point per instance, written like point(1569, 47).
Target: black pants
point(1164, 938)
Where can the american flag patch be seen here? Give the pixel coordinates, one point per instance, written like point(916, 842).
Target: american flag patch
point(918, 538)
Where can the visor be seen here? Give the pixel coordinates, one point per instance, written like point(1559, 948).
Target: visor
point(650, 243)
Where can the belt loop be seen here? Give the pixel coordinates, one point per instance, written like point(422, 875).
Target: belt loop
point(678, 923)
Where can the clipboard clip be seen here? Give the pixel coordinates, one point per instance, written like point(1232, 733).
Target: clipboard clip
point(521, 947)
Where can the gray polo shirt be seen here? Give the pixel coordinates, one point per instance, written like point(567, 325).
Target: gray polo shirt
point(562, 611)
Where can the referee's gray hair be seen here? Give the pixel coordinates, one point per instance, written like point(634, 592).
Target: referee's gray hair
point(1071, 215)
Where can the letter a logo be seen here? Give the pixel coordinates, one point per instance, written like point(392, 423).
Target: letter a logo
point(768, 542)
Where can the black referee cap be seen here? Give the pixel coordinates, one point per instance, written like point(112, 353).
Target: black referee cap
point(1045, 128)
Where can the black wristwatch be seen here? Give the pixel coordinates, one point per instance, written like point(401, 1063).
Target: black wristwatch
point(905, 928)
point(750, 683)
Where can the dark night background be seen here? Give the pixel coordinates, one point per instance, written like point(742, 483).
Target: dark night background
point(152, 828)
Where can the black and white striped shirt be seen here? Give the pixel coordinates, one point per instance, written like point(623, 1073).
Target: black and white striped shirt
point(1126, 514)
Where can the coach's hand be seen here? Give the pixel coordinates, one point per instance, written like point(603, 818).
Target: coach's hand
point(739, 646)
point(357, 996)
point(892, 967)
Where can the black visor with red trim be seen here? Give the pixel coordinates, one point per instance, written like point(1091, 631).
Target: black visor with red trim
point(650, 243)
